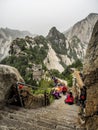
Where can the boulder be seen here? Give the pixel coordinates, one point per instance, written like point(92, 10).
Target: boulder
point(91, 81)
point(8, 77)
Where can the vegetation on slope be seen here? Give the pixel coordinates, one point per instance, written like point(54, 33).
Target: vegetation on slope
point(24, 53)
point(67, 74)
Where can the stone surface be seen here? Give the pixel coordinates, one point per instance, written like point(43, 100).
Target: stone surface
point(91, 81)
point(6, 37)
point(57, 116)
point(8, 76)
point(83, 29)
point(54, 61)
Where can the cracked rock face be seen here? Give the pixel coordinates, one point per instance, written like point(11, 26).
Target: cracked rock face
point(6, 37)
point(52, 61)
point(91, 80)
point(8, 76)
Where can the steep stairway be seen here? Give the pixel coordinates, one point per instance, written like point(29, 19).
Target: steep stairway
point(57, 116)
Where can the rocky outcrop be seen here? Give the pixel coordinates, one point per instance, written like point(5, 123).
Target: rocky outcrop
point(6, 37)
point(52, 61)
point(83, 29)
point(79, 35)
point(72, 44)
point(8, 76)
point(67, 52)
point(91, 81)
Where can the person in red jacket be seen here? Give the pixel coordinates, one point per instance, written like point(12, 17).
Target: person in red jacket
point(20, 86)
point(69, 99)
point(64, 89)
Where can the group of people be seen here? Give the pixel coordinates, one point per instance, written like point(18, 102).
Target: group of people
point(69, 98)
point(62, 88)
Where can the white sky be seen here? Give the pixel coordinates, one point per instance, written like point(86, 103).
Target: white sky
point(38, 16)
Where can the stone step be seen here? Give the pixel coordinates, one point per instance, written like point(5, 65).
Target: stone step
point(41, 123)
point(58, 116)
point(54, 123)
point(29, 118)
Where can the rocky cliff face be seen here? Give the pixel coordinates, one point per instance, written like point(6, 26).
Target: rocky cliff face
point(6, 37)
point(67, 52)
point(91, 81)
point(72, 45)
point(81, 32)
point(8, 77)
point(52, 61)
point(83, 29)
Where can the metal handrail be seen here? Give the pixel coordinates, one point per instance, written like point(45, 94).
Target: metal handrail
point(23, 83)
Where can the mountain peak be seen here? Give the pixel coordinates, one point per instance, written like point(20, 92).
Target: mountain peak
point(53, 31)
point(92, 14)
point(83, 29)
point(55, 34)
point(54, 28)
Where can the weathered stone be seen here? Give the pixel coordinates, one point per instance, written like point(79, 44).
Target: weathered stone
point(8, 76)
point(91, 81)
point(57, 116)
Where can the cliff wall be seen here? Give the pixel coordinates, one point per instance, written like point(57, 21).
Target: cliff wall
point(91, 81)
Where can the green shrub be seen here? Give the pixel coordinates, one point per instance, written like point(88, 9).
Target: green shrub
point(67, 72)
point(69, 80)
point(45, 84)
point(56, 73)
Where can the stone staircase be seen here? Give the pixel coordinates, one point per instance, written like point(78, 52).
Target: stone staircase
point(57, 116)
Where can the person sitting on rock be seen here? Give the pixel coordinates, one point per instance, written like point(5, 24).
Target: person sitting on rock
point(56, 94)
point(69, 99)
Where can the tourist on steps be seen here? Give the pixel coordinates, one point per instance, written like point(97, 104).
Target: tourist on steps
point(82, 100)
point(69, 99)
point(56, 94)
point(55, 81)
point(64, 89)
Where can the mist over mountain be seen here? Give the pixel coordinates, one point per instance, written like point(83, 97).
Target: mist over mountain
point(7, 32)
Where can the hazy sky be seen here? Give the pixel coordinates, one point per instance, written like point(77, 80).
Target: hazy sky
point(38, 16)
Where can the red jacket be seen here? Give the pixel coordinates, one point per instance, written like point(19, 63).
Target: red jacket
point(64, 89)
point(69, 99)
